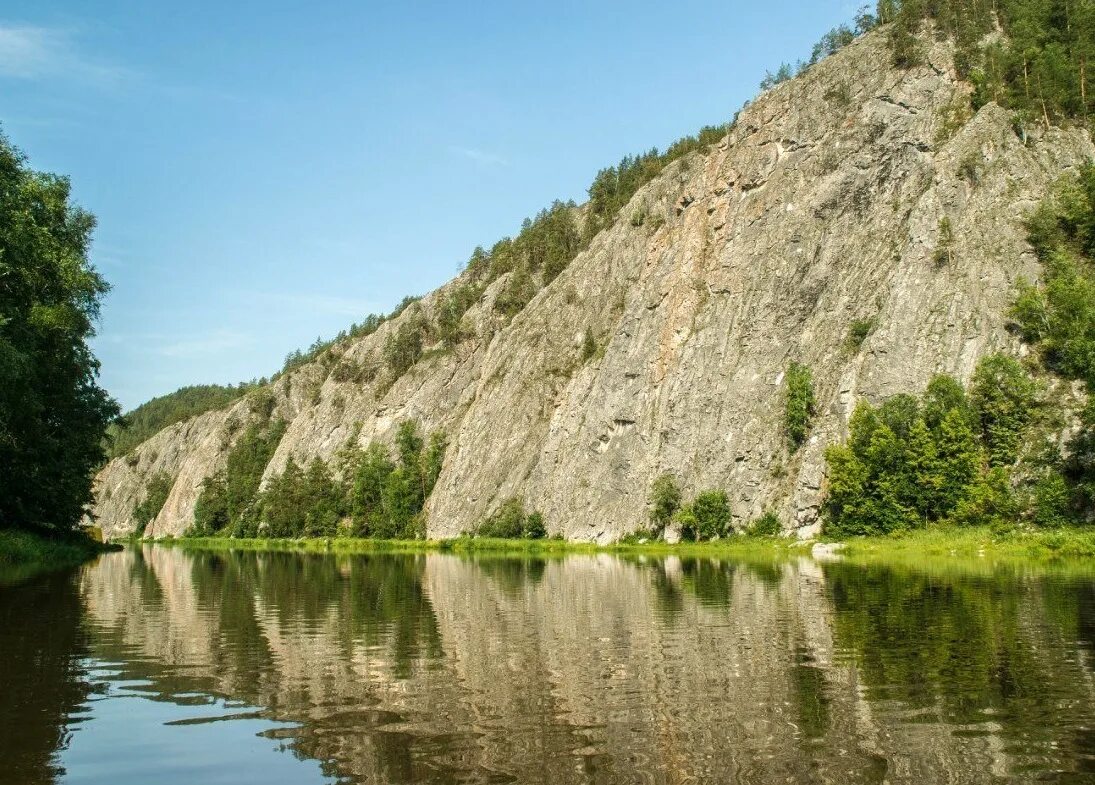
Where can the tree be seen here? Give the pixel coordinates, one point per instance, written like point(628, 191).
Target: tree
point(534, 528)
point(53, 414)
point(799, 403)
point(589, 345)
point(152, 417)
point(211, 508)
point(665, 500)
point(712, 512)
point(507, 522)
point(155, 495)
point(433, 461)
point(707, 517)
point(367, 502)
point(907, 462)
point(1003, 395)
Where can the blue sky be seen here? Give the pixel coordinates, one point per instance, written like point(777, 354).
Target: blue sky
point(264, 173)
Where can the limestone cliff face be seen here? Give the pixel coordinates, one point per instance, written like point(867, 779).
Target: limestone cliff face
point(822, 206)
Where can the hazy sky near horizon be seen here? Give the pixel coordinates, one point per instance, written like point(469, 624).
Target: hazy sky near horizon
point(266, 173)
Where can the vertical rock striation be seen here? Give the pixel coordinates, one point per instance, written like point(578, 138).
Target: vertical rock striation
point(824, 205)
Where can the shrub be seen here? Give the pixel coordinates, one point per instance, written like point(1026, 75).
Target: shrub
point(858, 333)
point(507, 522)
point(403, 347)
point(665, 500)
point(1003, 396)
point(707, 517)
point(767, 525)
point(589, 345)
point(156, 492)
point(799, 404)
point(534, 527)
point(944, 247)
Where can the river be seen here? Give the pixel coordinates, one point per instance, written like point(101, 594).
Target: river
point(159, 664)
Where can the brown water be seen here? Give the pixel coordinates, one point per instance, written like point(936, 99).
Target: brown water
point(167, 666)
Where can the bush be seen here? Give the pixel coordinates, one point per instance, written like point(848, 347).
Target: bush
point(589, 345)
point(1003, 396)
point(858, 333)
point(800, 403)
point(944, 247)
point(665, 500)
point(508, 522)
point(767, 525)
point(707, 517)
point(534, 527)
point(156, 493)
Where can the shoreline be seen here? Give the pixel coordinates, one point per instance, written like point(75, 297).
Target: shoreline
point(27, 554)
point(935, 543)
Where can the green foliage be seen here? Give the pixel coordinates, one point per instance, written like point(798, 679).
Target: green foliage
point(990, 501)
point(942, 456)
point(799, 404)
point(1052, 500)
point(370, 476)
point(767, 525)
point(227, 499)
point(53, 413)
point(535, 529)
point(589, 345)
point(302, 502)
point(152, 417)
point(707, 517)
point(665, 500)
point(783, 74)
point(909, 462)
point(614, 186)
point(403, 347)
point(1040, 66)
point(1059, 319)
point(510, 521)
point(451, 310)
point(1003, 396)
point(858, 333)
point(944, 246)
point(155, 495)
point(1060, 316)
point(1079, 466)
point(386, 495)
point(372, 494)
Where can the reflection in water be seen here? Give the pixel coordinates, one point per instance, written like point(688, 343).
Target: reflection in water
point(43, 691)
point(589, 669)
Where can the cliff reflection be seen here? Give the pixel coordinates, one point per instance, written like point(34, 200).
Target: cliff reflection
point(595, 669)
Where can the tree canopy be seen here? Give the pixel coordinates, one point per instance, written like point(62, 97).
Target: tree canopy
point(52, 411)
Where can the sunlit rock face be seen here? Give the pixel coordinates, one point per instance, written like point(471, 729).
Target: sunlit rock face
point(600, 670)
point(822, 206)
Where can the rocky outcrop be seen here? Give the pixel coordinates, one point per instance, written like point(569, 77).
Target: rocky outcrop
point(824, 205)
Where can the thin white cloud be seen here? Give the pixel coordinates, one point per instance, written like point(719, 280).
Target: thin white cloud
point(32, 52)
point(212, 343)
point(479, 156)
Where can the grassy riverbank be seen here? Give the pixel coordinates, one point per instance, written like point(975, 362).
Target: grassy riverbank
point(980, 542)
point(24, 554)
point(733, 546)
point(977, 542)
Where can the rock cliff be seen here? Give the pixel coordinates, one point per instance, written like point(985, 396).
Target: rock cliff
point(827, 203)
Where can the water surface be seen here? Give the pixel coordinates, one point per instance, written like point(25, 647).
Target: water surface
point(171, 666)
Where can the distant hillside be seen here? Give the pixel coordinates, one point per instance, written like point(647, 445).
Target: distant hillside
point(155, 415)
